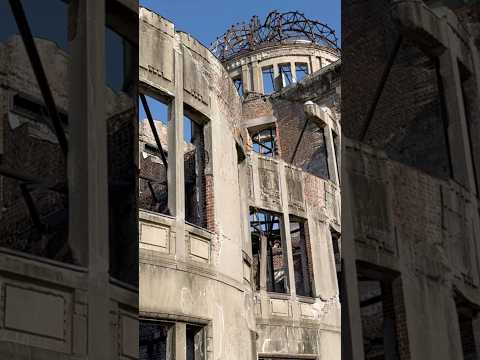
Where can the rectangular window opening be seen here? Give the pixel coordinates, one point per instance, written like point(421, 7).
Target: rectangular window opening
point(268, 246)
point(379, 311)
point(301, 70)
point(466, 315)
point(194, 167)
point(337, 255)
point(35, 218)
point(121, 108)
point(156, 341)
point(264, 142)
point(313, 151)
point(302, 262)
point(196, 349)
point(286, 73)
point(268, 80)
point(153, 180)
point(238, 85)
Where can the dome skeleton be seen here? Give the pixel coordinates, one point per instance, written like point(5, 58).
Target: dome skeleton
point(278, 28)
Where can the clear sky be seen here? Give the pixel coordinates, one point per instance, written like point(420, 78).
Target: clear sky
point(207, 19)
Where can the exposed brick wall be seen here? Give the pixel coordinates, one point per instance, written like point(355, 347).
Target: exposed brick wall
point(408, 122)
point(210, 204)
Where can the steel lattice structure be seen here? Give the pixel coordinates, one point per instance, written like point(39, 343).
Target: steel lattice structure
point(278, 27)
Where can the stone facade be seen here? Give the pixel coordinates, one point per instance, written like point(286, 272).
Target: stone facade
point(410, 180)
point(68, 265)
point(207, 291)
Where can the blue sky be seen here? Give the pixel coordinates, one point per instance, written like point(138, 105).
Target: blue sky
point(207, 19)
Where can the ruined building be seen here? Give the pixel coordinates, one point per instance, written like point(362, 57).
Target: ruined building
point(239, 219)
point(68, 179)
point(410, 172)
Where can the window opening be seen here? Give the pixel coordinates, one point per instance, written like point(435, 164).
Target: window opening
point(301, 70)
point(195, 342)
point(264, 142)
point(301, 257)
point(265, 231)
point(194, 167)
point(156, 341)
point(268, 80)
point(153, 138)
point(286, 73)
point(238, 85)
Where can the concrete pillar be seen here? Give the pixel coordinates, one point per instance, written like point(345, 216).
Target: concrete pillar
point(475, 126)
point(88, 169)
point(331, 158)
point(457, 124)
point(263, 263)
point(277, 78)
point(285, 229)
point(257, 85)
point(176, 176)
point(352, 341)
point(180, 341)
point(245, 79)
point(294, 71)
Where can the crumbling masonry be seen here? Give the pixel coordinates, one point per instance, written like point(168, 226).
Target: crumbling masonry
point(410, 172)
point(239, 191)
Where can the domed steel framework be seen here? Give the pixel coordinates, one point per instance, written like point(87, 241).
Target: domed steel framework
point(278, 27)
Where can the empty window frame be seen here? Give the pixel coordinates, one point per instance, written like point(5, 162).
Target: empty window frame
point(302, 262)
point(337, 254)
point(119, 75)
point(301, 70)
point(318, 162)
point(268, 80)
point(238, 85)
point(121, 97)
point(35, 217)
point(194, 167)
point(264, 142)
point(196, 347)
point(268, 248)
point(381, 311)
point(153, 182)
point(286, 74)
point(467, 314)
point(156, 341)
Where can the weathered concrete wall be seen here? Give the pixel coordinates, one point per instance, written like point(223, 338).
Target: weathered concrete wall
point(52, 304)
point(204, 275)
point(187, 272)
point(425, 229)
point(289, 324)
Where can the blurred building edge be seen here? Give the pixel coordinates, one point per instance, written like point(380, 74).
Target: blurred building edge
point(68, 179)
point(239, 192)
point(410, 172)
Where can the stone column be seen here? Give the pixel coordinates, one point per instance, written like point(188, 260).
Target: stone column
point(352, 341)
point(294, 71)
point(245, 79)
point(176, 176)
point(460, 151)
point(180, 341)
point(331, 158)
point(257, 85)
point(285, 230)
point(88, 169)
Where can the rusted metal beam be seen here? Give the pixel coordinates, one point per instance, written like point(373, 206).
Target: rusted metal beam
point(154, 129)
point(381, 85)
